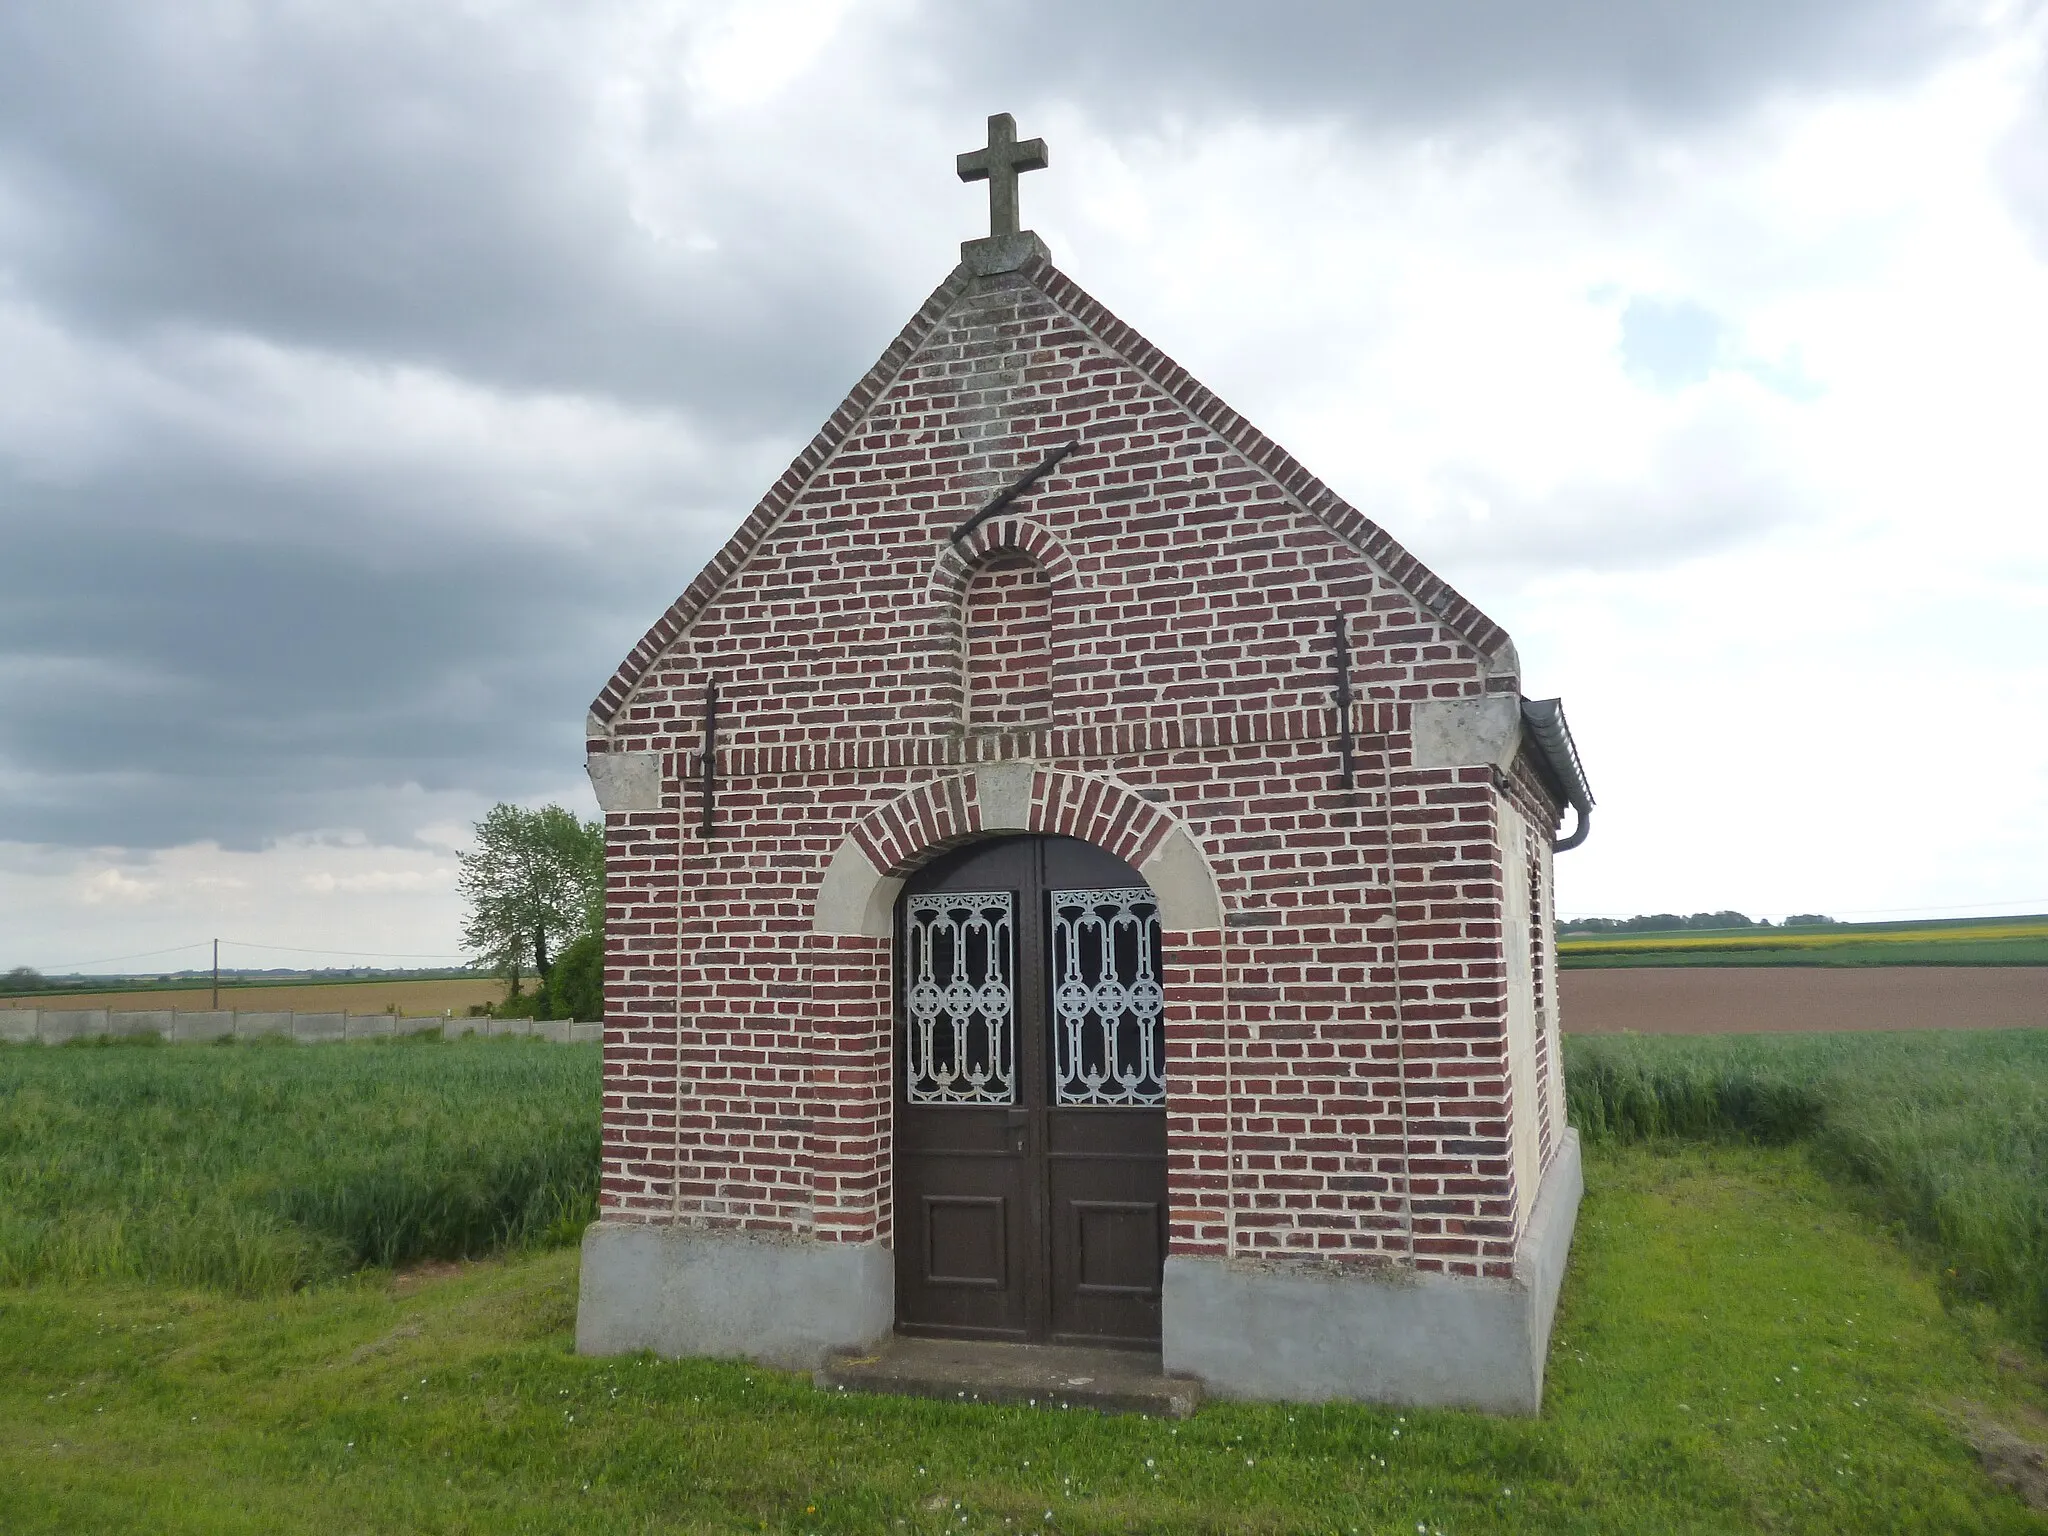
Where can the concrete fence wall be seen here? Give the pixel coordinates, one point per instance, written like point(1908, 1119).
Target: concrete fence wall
point(53, 1026)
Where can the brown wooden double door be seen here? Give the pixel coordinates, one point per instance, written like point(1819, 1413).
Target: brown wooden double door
point(1030, 1161)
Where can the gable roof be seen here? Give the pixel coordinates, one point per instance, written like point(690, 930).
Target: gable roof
point(1174, 381)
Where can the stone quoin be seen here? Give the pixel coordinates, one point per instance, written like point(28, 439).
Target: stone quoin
point(1110, 902)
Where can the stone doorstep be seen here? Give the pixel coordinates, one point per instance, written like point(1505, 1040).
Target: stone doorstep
point(1050, 1375)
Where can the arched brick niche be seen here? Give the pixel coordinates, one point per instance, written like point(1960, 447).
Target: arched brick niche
point(1003, 594)
point(1006, 616)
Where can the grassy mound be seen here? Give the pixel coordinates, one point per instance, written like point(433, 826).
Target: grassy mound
point(262, 1168)
point(1949, 1130)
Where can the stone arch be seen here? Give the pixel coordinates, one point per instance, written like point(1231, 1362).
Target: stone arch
point(958, 562)
point(857, 896)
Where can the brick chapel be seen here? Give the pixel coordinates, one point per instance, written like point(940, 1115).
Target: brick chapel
point(1075, 880)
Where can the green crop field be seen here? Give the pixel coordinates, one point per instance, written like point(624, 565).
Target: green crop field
point(1948, 941)
point(1757, 1332)
point(1946, 1133)
point(263, 1167)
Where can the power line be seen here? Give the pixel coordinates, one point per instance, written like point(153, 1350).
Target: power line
point(176, 949)
point(147, 954)
point(360, 954)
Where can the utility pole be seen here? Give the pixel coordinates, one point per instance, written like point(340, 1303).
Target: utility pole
point(216, 975)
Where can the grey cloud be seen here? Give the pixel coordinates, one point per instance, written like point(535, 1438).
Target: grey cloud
point(204, 636)
point(423, 186)
point(1714, 483)
point(201, 646)
point(162, 687)
point(1393, 62)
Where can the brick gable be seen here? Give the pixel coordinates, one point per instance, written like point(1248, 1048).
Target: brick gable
point(1148, 364)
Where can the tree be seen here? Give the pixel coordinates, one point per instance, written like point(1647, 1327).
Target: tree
point(576, 990)
point(1658, 922)
point(534, 884)
point(23, 978)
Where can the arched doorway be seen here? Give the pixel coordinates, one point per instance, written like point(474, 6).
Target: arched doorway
point(1030, 1149)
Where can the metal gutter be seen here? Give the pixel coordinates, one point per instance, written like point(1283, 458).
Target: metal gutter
point(1544, 720)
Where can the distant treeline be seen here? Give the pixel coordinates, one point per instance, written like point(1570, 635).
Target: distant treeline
point(26, 978)
point(1672, 922)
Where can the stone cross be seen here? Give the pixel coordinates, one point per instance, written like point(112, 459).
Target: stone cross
point(999, 165)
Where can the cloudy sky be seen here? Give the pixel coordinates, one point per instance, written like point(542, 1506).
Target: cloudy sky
point(371, 375)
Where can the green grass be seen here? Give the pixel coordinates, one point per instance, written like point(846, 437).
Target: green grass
point(1948, 1131)
point(1941, 941)
point(1737, 1351)
point(189, 1339)
point(262, 1168)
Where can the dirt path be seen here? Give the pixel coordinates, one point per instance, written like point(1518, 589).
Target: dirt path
point(1715, 1000)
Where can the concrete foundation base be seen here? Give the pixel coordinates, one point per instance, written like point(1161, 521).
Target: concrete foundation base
point(1241, 1331)
point(1417, 1339)
point(691, 1291)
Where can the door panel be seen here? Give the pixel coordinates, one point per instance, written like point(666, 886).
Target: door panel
point(1106, 1180)
point(1030, 1171)
point(964, 1210)
point(1116, 1247)
point(966, 1242)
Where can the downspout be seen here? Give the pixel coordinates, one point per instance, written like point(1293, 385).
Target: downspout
point(1579, 831)
point(1544, 719)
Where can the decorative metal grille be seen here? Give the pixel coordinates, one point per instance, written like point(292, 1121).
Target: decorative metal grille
point(1109, 1046)
point(959, 998)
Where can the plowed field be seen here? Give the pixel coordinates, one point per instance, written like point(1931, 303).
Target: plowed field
point(1694, 1000)
point(416, 998)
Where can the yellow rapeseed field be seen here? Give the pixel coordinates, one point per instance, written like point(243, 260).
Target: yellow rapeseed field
point(1808, 938)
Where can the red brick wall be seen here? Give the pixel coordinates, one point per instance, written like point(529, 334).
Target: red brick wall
point(1336, 1093)
point(1008, 619)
